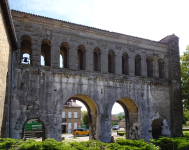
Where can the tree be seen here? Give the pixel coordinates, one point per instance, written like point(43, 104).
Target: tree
point(120, 116)
point(185, 79)
point(86, 119)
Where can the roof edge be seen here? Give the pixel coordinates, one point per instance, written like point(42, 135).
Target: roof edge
point(96, 30)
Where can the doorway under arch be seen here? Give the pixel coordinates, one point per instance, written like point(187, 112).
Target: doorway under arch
point(33, 128)
point(132, 119)
point(157, 128)
point(92, 110)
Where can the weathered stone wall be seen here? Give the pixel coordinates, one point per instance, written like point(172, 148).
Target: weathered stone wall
point(5, 64)
point(41, 91)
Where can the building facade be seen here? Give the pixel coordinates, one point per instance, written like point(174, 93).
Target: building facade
point(98, 68)
point(7, 46)
point(71, 116)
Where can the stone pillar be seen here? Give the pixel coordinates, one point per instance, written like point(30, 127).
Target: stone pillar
point(104, 61)
point(73, 56)
point(155, 67)
point(131, 64)
point(36, 53)
point(175, 77)
point(118, 64)
point(55, 55)
point(89, 59)
point(166, 69)
point(105, 128)
point(143, 67)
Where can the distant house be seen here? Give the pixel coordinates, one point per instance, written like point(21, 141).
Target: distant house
point(122, 123)
point(71, 116)
point(114, 118)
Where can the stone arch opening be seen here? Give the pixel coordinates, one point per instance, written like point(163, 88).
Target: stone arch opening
point(33, 128)
point(92, 110)
point(149, 62)
point(64, 56)
point(25, 50)
point(157, 128)
point(111, 61)
point(81, 57)
point(96, 60)
point(161, 68)
point(137, 65)
point(132, 119)
point(125, 64)
point(46, 52)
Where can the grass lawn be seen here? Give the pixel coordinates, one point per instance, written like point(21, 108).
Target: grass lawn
point(185, 132)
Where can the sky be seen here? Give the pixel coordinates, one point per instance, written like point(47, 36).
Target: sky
point(148, 19)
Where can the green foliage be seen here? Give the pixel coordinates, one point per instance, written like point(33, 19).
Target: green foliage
point(114, 123)
point(121, 133)
point(120, 116)
point(178, 143)
point(185, 78)
point(86, 119)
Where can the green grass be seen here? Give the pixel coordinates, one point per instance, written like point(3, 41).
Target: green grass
point(184, 132)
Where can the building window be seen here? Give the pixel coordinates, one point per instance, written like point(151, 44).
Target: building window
point(25, 50)
point(161, 68)
point(96, 60)
point(75, 114)
point(137, 65)
point(125, 64)
point(69, 127)
point(111, 62)
point(75, 125)
point(149, 62)
point(69, 114)
point(46, 53)
point(63, 114)
point(64, 55)
point(81, 58)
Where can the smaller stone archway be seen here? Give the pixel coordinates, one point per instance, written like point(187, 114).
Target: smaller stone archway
point(157, 128)
point(92, 113)
point(132, 119)
point(43, 128)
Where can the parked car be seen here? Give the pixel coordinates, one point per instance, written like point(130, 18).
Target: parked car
point(80, 131)
point(115, 127)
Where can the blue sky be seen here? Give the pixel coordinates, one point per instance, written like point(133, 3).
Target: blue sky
point(149, 19)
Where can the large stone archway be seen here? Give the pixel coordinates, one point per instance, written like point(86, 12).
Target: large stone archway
point(132, 118)
point(92, 113)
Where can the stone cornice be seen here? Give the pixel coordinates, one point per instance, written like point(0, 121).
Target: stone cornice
point(81, 28)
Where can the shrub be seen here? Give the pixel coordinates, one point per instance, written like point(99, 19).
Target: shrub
point(121, 133)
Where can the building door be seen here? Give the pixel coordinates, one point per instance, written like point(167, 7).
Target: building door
point(63, 128)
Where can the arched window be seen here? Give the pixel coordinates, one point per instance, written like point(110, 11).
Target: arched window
point(46, 53)
point(96, 60)
point(157, 128)
point(25, 50)
point(137, 65)
point(81, 57)
point(64, 55)
point(125, 64)
point(111, 62)
point(161, 68)
point(149, 62)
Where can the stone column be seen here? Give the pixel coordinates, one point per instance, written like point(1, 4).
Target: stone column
point(55, 55)
point(143, 66)
point(175, 77)
point(118, 64)
point(36, 53)
point(104, 61)
point(155, 67)
point(131, 64)
point(89, 59)
point(73, 56)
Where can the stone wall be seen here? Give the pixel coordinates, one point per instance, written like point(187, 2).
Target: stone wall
point(41, 91)
point(5, 64)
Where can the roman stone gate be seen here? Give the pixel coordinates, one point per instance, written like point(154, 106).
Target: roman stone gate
point(57, 61)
